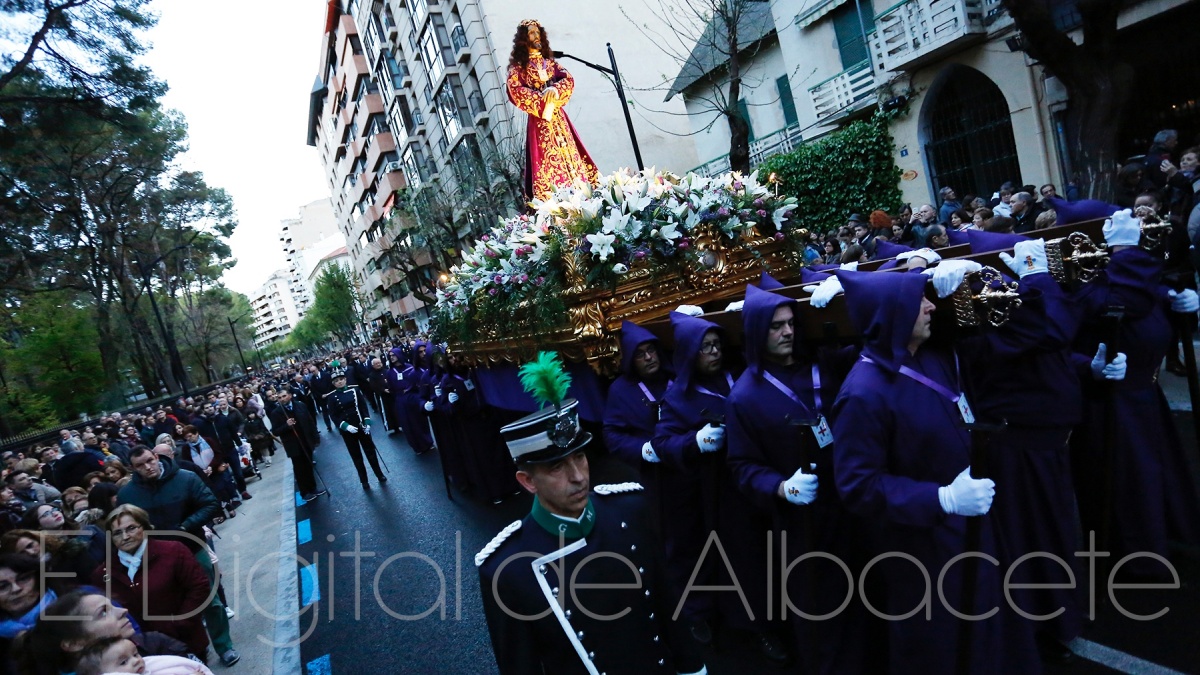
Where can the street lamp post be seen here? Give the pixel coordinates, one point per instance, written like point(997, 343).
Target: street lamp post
point(616, 75)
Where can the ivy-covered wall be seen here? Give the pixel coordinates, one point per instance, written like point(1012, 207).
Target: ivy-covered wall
point(852, 170)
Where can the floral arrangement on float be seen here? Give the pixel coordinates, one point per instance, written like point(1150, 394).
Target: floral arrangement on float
point(595, 237)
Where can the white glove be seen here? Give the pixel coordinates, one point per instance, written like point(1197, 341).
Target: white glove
point(948, 276)
point(967, 496)
point(735, 306)
point(649, 454)
point(1185, 301)
point(428, 406)
point(824, 292)
point(437, 391)
point(1029, 257)
point(452, 397)
point(926, 254)
point(351, 428)
point(1101, 370)
point(801, 488)
point(852, 266)
point(690, 310)
point(1123, 229)
point(710, 438)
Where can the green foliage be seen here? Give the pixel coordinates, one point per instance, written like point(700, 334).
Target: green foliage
point(852, 170)
point(54, 354)
point(545, 379)
point(336, 306)
point(25, 410)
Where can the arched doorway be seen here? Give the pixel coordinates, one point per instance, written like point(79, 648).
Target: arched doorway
point(967, 134)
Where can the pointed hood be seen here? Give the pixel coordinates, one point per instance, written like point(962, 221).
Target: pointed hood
point(757, 312)
point(886, 249)
point(689, 334)
point(982, 241)
point(811, 276)
point(632, 337)
point(1084, 209)
point(884, 308)
point(768, 282)
point(958, 237)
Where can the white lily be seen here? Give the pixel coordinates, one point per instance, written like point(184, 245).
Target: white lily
point(602, 244)
point(669, 232)
point(620, 268)
point(615, 222)
point(781, 214)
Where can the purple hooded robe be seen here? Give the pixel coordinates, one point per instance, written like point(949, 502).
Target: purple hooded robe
point(769, 439)
point(898, 441)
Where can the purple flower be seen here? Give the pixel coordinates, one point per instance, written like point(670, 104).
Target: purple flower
point(492, 292)
point(778, 235)
point(539, 281)
point(639, 255)
point(683, 243)
point(759, 202)
point(761, 213)
point(498, 279)
point(723, 212)
point(524, 278)
point(737, 185)
point(485, 238)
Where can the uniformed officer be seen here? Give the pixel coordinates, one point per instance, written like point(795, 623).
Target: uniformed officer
point(348, 408)
point(576, 586)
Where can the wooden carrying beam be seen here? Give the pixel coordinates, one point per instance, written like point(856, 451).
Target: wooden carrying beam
point(832, 323)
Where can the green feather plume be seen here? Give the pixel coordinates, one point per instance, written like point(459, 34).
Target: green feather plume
point(545, 379)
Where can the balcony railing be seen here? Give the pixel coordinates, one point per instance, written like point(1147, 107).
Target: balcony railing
point(784, 140)
point(458, 38)
point(915, 31)
point(478, 107)
point(851, 88)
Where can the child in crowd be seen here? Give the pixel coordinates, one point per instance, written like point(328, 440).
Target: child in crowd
point(119, 655)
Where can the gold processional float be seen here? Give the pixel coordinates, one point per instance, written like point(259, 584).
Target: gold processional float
point(588, 328)
point(597, 250)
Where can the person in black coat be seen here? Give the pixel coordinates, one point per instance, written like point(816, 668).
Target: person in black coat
point(348, 408)
point(587, 592)
point(297, 430)
point(302, 391)
point(321, 384)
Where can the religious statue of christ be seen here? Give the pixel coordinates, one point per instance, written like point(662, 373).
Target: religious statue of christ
point(538, 85)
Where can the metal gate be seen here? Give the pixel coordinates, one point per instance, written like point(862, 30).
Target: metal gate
point(970, 144)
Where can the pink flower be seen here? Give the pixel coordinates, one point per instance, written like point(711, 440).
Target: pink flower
point(761, 213)
point(492, 292)
point(498, 279)
point(539, 281)
point(683, 243)
point(485, 238)
point(524, 278)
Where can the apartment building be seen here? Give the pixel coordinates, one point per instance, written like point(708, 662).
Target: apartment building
point(410, 94)
point(980, 111)
point(275, 312)
point(305, 240)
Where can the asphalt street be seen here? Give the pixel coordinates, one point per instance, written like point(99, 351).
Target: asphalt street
point(391, 584)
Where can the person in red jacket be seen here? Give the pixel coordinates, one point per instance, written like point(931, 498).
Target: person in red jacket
point(160, 581)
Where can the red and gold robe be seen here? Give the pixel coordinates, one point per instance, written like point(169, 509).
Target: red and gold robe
point(554, 155)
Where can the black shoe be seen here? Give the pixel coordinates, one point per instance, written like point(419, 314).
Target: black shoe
point(366, 486)
point(1176, 367)
point(382, 479)
point(773, 648)
point(702, 633)
point(1052, 651)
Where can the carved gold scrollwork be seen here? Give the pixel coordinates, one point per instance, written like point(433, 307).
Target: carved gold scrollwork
point(997, 298)
point(1075, 258)
point(1154, 231)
